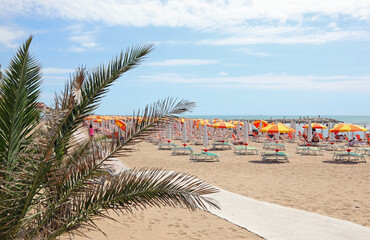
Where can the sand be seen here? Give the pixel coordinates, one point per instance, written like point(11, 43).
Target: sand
point(311, 183)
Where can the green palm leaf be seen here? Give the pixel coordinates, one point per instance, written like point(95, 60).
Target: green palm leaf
point(19, 92)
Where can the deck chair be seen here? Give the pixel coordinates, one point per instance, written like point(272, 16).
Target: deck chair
point(204, 157)
point(358, 138)
point(320, 136)
point(274, 157)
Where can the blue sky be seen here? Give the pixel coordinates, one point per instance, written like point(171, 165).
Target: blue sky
point(265, 57)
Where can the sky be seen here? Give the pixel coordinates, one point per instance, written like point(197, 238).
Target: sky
point(269, 57)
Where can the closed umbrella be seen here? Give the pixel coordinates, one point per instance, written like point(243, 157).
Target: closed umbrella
point(169, 132)
point(309, 132)
point(205, 137)
point(184, 131)
point(246, 131)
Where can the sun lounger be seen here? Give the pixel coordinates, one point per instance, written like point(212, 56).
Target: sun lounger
point(274, 157)
point(270, 145)
point(245, 150)
point(348, 157)
point(363, 151)
point(221, 146)
point(204, 157)
point(182, 151)
point(166, 146)
point(334, 147)
point(314, 151)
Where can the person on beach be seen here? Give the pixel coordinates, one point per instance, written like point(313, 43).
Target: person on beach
point(315, 138)
point(91, 132)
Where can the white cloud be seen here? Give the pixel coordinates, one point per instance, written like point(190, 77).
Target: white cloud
point(82, 40)
point(53, 70)
point(237, 18)
point(288, 35)
point(271, 82)
point(222, 73)
point(314, 19)
point(250, 52)
point(183, 62)
point(10, 35)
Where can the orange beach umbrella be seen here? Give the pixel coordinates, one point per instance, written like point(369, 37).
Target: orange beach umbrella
point(121, 124)
point(258, 122)
point(277, 128)
point(223, 125)
point(237, 122)
point(316, 126)
point(202, 123)
point(346, 127)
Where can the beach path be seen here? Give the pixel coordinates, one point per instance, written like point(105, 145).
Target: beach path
point(272, 221)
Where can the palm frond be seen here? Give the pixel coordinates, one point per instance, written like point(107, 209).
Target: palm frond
point(137, 189)
point(19, 93)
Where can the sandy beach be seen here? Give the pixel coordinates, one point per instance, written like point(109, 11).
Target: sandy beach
point(311, 183)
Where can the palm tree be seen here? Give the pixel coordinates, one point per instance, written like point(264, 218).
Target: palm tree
point(51, 182)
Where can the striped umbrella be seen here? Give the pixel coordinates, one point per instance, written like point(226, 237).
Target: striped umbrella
point(121, 124)
point(257, 123)
point(236, 123)
point(346, 127)
point(316, 126)
point(223, 125)
point(202, 123)
point(277, 128)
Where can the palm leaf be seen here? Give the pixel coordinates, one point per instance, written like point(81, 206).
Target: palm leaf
point(19, 92)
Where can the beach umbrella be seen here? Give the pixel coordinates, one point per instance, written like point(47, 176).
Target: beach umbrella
point(316, 126)
point(277, 128)
point(260, 124)
point(99, 120)
point(236, 123)
point(121, 124)
point(202, 123)
point(169, 132)
point(346, 127)
point(184, 132)
point(309, 131)
point(205, 137)
point(223, 125)
point(294, 126)
point(246, 131)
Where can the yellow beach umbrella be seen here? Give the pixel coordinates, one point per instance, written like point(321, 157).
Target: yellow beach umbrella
point(316, 126)
point(277, 128)
point(99, 120)
point(257, 123)
point(236, 123)
point(202, 123)
point(223, 125)
point(346, 127)
point(120, 124)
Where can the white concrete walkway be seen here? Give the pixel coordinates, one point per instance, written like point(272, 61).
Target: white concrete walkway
point(272, 221)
